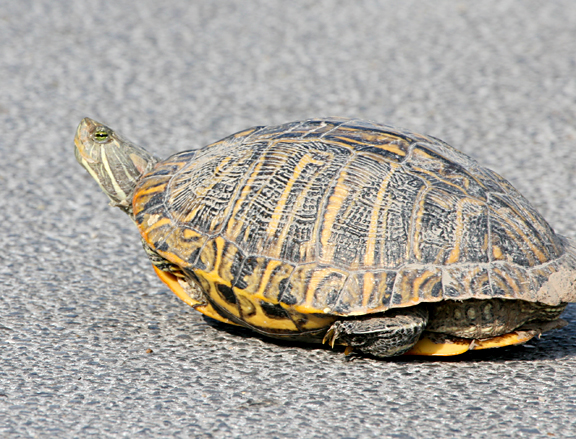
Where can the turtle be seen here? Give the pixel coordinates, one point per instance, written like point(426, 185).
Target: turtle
point(341, 231)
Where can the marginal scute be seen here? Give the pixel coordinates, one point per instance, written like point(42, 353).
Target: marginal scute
point(231, 259)
point(247, 306)
point(262, 278)
point(210, 254)
point(227, 293)
point(265, 317)
point(556, 281)
point(273, 311)
point(169, 243)
point(366, 292)
point(466, 282)
point(312, 288)
point(324, 288)
point(511, 281)
point(414, 285)
point(220, 294)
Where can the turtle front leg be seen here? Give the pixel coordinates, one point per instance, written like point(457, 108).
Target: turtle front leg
point(187, 289)
point(382, 335)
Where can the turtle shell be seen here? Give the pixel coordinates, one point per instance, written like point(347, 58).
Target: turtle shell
point(338, 217)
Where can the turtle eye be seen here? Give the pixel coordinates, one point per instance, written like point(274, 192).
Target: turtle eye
point(101, 135)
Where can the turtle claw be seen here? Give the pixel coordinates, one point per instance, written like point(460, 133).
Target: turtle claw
point(332, 335)
point(329, 337)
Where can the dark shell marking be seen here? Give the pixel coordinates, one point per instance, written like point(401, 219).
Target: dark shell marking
point(345, 217)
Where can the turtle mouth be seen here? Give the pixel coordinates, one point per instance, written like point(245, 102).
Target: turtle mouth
point(80, 152)
point(82, 140)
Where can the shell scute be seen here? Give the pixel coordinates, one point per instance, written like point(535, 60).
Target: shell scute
point(440, 172)
point(450, 229)
point(277, 210)
point(519, 239)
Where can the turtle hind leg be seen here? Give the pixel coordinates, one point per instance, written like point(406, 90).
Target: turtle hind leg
point(487, 318)
point(382, 335)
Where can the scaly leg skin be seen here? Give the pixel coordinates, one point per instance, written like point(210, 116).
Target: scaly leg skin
point(384, 335)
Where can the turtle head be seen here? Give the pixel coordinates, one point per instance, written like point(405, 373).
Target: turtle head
point(115, 163)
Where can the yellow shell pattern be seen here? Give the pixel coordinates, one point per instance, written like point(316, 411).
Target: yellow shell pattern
point(287, 228)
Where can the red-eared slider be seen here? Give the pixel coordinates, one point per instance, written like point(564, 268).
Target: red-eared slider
point(342, 231)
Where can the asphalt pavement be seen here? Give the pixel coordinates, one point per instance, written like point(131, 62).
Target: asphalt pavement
point(92, 344)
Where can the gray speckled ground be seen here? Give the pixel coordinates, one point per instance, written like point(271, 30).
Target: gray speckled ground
point(79, 305)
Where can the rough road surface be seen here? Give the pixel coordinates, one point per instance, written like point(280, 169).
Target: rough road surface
point(92, 344)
